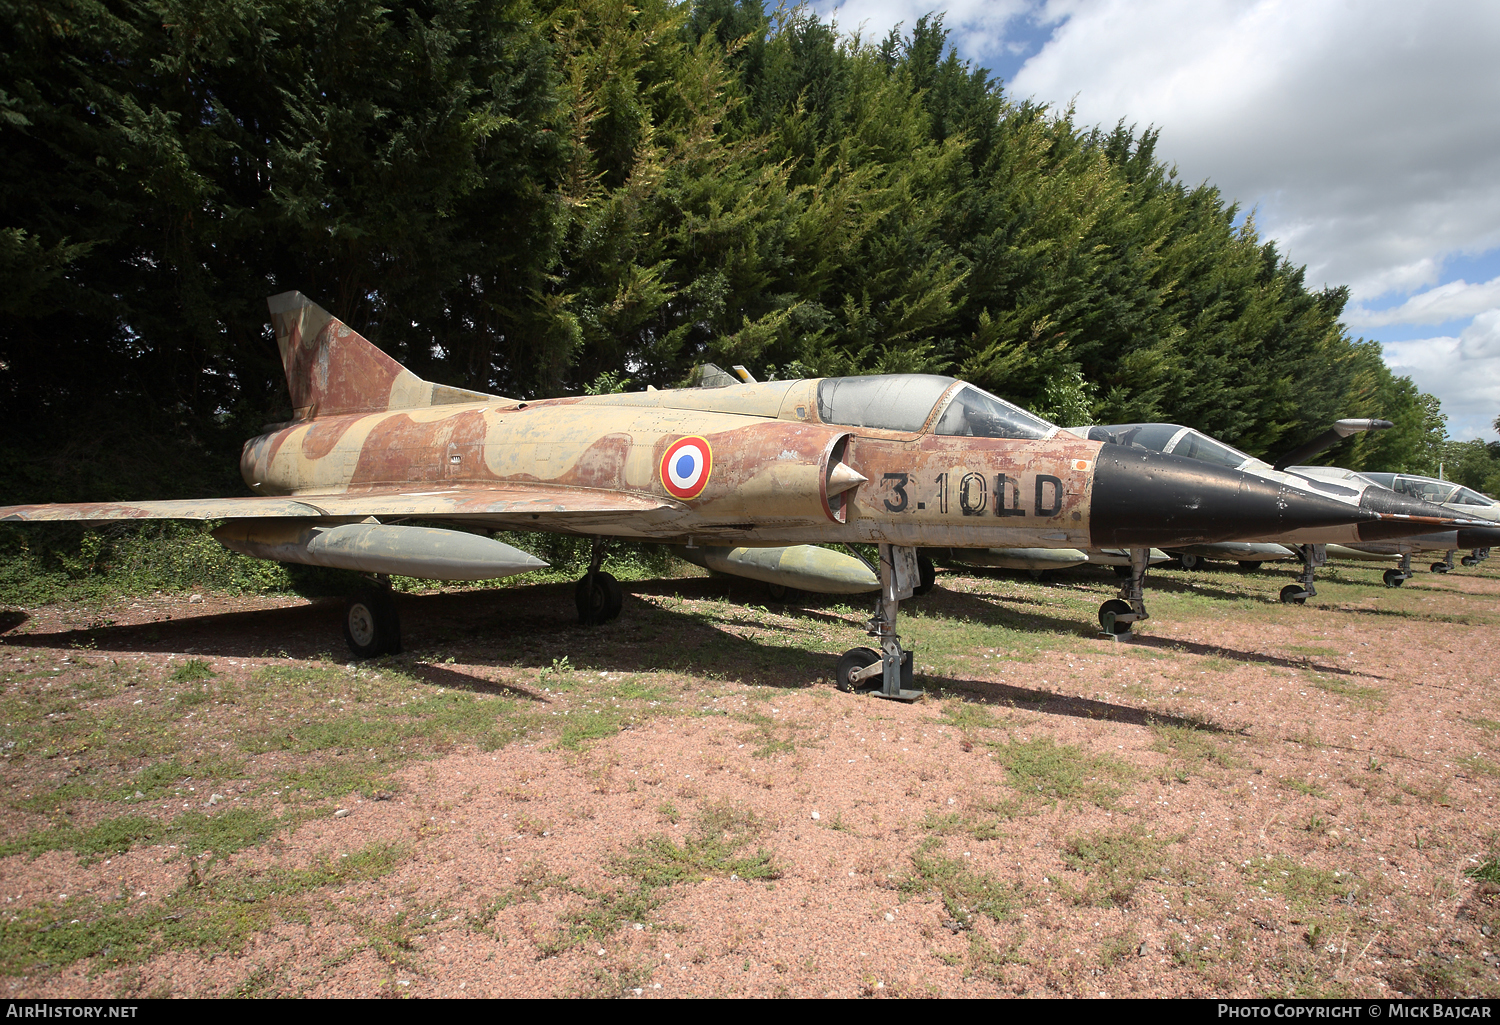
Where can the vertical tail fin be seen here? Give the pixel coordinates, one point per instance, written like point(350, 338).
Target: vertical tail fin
point(331, 369)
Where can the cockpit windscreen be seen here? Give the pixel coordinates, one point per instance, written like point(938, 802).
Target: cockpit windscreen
point(978, 414)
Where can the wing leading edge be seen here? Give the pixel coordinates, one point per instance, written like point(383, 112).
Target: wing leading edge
point(390, 501)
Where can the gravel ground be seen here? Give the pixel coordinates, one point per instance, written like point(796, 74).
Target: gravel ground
point(1249, 799)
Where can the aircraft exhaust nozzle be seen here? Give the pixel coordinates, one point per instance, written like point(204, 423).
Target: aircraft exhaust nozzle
point(1145, 499)
point(425, 552)
point(804, 567)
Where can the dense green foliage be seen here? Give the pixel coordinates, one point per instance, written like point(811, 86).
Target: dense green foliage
point(536, 197)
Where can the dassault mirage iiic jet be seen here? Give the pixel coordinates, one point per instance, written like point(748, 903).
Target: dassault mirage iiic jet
point(898, 460)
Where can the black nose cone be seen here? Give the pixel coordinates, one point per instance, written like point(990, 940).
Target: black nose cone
point(1147, 499)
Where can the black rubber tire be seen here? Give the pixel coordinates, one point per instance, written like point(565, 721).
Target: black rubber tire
point(371, 624)
point(1439, 567)
point(1292, 594)
point(1250, 565)
point(778, 592)
point(1393, 578)
point(854, 660)
point(1189, 562)
point(599, 598)
point(1468, 560)
point(926, 576)
point(1121, 571)
point(1119, 607)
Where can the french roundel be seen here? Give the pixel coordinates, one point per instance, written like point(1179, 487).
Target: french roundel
point(686, 466)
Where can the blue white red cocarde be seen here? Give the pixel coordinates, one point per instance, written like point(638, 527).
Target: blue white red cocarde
point(686, 466)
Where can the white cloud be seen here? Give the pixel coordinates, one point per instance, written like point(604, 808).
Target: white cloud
point(1367, 134)
point(977, 26)
point(1464, 371)
point(1455, 300)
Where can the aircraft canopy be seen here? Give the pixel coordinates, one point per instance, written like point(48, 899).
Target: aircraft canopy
point(1439, 492)
point(906, 402)
point(1170, 439)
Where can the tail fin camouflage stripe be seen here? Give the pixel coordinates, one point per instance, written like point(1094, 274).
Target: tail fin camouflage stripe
point(331, 369)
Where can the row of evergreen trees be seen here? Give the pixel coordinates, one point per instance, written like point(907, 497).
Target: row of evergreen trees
point(539, 197)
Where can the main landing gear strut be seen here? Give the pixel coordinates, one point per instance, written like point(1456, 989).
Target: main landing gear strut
point(598, 595)
point(1312, 556)
point(1118, 615)
point(888, 672)
point(371, 625)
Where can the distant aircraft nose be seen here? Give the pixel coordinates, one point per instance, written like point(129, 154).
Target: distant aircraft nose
point(1479, 537)
point(1147, 499)
point(1400, 515)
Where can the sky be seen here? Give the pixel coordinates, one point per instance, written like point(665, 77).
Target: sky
point(1362, 135)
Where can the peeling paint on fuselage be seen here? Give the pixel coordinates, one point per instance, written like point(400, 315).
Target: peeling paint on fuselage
point(767, 478)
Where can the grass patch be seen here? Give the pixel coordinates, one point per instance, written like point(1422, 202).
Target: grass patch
point(1116, 862)
point(192, 671)
point(210, 916)
point(1302, 887)
point(1191, 745)
point(966, 895)
point(1055, 771)
point(1304, 788)
point(221, 834)
point(651, 868)
point(1478, 763)
point(1333, 685)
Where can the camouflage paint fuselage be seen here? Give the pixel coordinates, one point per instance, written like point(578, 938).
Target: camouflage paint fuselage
point(774, 476)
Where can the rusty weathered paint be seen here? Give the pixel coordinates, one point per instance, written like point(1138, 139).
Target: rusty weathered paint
point(372, 439)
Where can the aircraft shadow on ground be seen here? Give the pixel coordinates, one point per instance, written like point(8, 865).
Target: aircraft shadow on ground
point(538, 624)
point(541, 632)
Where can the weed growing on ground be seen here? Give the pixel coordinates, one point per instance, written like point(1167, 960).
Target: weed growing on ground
point(1116, 863)
point(966, 895)
point(1043, 768)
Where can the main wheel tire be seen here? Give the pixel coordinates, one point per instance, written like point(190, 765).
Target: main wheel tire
point(1393, 578)
point(1121, 571)
point(1111, 608)
point(1293, 594)
point(1189, 561)
point(1251, 565)
point(778, 592)
point(926, 576)
point(1439, 567)
point(599, 598)
point(853, 661)
point(371, 625)
point(1469, 560)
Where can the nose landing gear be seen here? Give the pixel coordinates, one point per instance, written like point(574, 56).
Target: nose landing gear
point(1118, 615)
point(1311, 556)
point(887, 673)
point(1397, 577)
